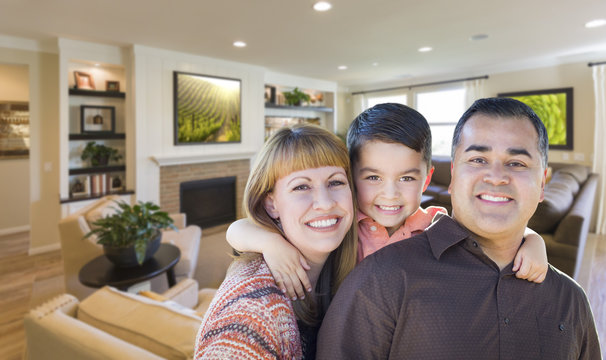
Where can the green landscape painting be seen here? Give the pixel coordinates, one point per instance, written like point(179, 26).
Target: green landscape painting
point(554, 107)
point(207, 109)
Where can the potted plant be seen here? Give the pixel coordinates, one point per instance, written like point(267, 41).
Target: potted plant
point(295, 97)
point(131, 235)
point(99, 154)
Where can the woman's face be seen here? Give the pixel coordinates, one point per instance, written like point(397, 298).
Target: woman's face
point(315, 209)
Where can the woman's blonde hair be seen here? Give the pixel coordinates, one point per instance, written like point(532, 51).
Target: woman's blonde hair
point(293, 149)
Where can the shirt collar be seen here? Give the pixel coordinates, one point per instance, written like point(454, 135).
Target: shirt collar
point(443, 233)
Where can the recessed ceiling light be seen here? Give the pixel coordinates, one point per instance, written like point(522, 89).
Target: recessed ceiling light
point(478, 37)
point(425, 49)
point(595, 23)
point(342, 67)
point(239, 44)
point(322, 6)
point(375, 64)
point(97, 64)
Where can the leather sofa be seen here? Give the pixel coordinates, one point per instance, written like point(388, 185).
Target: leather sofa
point(562, 219)
point(111, 324)
point(77, 251)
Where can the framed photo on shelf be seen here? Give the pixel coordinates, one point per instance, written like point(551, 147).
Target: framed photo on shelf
point(97, 119)
point(80, 187)
point(84, 81)
point(554, 108)
point(206, 109)
point(116, 183)
point(270, 94)
point(113, 86)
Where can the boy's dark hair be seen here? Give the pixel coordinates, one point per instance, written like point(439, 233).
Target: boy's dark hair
point(391, 123)
point(504, 108)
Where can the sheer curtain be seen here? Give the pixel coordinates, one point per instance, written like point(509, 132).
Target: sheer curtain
point(599, 139)
point(359, 104)
point(474, 90)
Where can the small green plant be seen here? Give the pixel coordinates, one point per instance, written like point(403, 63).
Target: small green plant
point(295, 97)
point(130, 226)
point(99, 154)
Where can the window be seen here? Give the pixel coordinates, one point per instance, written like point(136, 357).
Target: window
point(442, 110)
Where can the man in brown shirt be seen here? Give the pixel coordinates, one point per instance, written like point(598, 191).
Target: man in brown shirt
point(450, 293)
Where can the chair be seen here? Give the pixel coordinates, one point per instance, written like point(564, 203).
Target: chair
point(111, 324)
point(77, 251)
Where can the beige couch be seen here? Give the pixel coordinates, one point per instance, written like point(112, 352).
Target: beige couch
point(111, 324)
point(77, 251)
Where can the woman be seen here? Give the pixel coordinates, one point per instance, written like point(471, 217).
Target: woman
point(299, 187)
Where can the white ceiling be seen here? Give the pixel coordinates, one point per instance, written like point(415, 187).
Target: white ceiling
point(288, 36)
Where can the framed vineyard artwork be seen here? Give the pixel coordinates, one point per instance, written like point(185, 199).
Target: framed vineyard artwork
point(207, 109)
point(554, 107)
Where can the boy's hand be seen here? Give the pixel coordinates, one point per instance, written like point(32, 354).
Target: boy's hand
point(288, 267)
point(530, 262)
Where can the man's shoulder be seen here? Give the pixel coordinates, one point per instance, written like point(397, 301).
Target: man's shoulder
point(558, 279)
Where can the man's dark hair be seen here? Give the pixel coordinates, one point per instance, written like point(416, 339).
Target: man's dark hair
point(391, 123)
point(504, 107)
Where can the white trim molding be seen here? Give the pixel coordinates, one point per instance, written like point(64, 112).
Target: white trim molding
point(183, 159)
point(44, 249)
point(14, 230)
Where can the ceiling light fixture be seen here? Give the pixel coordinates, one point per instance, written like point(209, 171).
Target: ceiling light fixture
point(322, 6)
point(342, 67)
point(595, 23)
point(478, 37)
point(425, 49)
point(375, 64)
point(239, 44)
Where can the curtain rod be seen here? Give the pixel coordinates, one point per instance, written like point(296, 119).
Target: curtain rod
point(419, 85)
point(596, 63)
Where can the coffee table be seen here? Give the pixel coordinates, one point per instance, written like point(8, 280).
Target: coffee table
point(100, 271)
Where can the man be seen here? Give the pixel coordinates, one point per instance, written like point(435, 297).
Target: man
point(450, 293)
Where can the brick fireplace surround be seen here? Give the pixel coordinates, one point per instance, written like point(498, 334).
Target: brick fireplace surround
point(173, 175)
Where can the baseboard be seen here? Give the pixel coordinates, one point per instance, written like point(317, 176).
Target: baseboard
point(44, 249)
point(14, 230)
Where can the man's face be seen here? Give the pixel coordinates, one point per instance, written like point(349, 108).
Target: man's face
point(390, 179)
point(497, 176)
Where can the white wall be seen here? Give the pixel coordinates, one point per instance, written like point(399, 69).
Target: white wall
point(14, 182)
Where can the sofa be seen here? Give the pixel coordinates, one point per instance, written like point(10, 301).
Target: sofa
point(77, 251)
point(111, 324)
point(562, 219)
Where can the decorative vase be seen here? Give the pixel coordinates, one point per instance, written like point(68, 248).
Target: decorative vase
point(126, 256)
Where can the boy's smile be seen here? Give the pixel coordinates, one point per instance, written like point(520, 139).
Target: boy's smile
point(389, 179)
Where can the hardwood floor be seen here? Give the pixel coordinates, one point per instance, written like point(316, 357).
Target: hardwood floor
point(27, 281)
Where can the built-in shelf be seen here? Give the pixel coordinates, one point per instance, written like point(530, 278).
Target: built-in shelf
point(97, 170)
point(95, 196)
point(104, 136)
point(112, 94)
point(304, 108)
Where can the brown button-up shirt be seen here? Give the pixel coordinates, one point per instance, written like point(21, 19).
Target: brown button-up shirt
point(438, 296)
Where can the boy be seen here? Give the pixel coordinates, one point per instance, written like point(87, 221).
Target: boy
point(390, 152)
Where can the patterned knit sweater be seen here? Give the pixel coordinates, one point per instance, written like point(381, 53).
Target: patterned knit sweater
point(249, 318)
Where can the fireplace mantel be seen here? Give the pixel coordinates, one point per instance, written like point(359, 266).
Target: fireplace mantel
point(184, 159)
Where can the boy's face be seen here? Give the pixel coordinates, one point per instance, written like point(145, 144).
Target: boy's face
point(390, 179)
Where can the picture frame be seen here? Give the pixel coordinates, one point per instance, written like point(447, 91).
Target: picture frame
point(96, 119)
point(116, 185)
point(84, 81)
point(14, 130)
point(555, 108)
point(207, 109)
point(112, 86)
point(270, 94)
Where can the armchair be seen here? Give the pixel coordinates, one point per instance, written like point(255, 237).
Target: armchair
point(111, 324)
point(77, 251)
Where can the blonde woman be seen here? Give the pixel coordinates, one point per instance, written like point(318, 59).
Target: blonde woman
point(299, 187)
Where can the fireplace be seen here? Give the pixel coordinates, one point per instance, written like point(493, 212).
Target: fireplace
point(209, 202)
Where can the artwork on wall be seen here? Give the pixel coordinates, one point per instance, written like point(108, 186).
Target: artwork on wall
point(554, 107)
point(84, 81)
point(14, 130)
point(97, 119)
point(207, 109)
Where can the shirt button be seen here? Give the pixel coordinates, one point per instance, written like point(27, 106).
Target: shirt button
point(373, 228)
point(506, 321)
point(475, 244)
point(561, 327)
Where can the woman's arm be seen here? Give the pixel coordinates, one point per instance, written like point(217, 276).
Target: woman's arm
point(285, 262)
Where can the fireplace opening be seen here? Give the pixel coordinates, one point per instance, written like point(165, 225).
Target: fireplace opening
point(209, 202)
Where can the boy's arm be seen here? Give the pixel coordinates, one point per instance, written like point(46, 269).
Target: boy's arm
point(285, 262)
point(531, 260)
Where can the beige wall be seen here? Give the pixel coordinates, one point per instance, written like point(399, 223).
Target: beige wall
point(44, 210)
point(577, 75)
point(14, 181)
